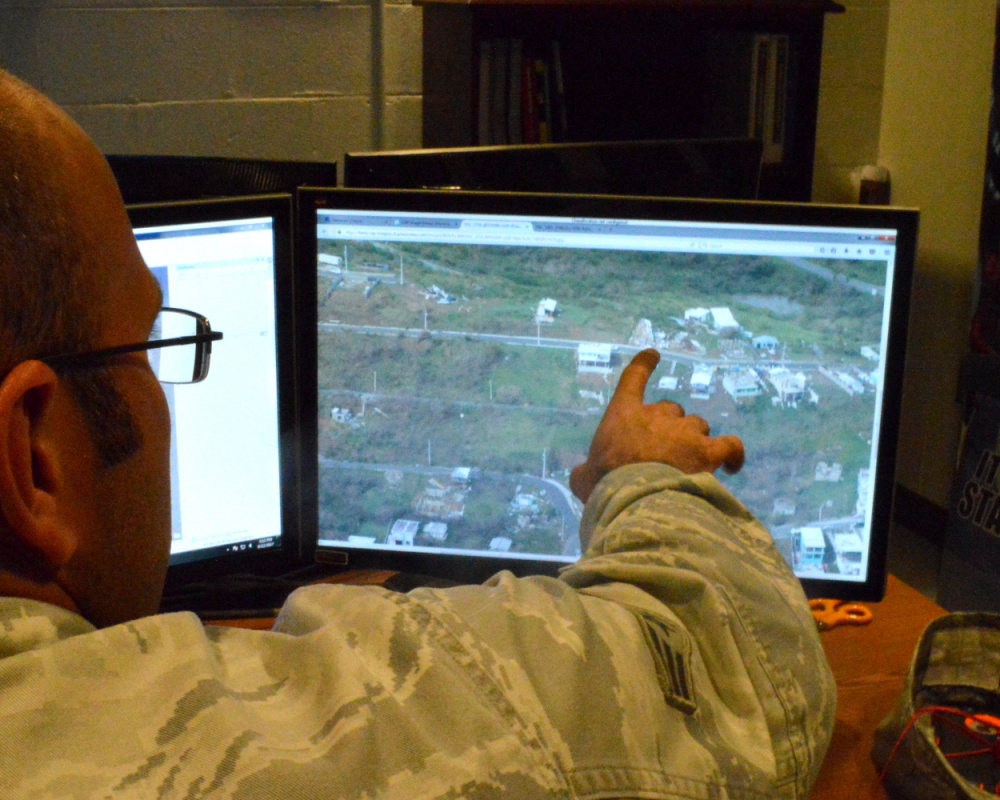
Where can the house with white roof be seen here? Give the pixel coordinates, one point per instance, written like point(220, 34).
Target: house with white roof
point(811, 547)
point(546, 311)
point(593, 357)
point(436, 531)
point(330, 262)
point(724, 322)
point(790, 387)
point(741, 384)
point(697, 315)
point(403, 532)
point(703, 382)
point(850, 550)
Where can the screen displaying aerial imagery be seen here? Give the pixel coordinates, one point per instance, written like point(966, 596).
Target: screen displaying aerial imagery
point(459, 384)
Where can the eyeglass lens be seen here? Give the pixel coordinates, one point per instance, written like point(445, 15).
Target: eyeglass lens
point(174, 364)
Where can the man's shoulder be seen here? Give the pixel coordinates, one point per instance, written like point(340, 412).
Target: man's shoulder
point(29, 624)
point(30, 627)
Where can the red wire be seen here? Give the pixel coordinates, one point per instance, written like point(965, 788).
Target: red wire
point(987, 744)
point(944, 711)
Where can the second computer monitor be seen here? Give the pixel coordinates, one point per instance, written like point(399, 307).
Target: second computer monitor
point(726, 169)
point(164, 178)
point(233, 448)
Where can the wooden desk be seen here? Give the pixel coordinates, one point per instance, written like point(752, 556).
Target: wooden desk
point(870, 664)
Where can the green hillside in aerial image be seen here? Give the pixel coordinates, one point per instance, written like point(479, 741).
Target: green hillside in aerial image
point(439, 356)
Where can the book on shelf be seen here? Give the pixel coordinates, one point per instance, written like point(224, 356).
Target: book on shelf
point(560, 122)
point(747, 84)
point(498, 91)
point(529, 103)
point(483, 135)
point(769, 94)
point(514, 91)
point(520, 93)
point(544, 101)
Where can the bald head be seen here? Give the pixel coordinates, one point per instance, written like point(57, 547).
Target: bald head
point(48, 279)
point(62, 225)
point(84, 450)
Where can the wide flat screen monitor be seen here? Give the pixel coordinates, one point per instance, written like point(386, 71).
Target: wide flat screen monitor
point(233, 445)
point(465, 346)
point(706, 168)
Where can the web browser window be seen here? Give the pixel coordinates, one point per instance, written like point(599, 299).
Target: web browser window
point(464, 361)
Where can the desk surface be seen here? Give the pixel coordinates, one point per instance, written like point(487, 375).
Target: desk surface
point(869, 663)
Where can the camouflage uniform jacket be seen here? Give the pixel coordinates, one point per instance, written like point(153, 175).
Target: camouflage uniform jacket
point(677, 659)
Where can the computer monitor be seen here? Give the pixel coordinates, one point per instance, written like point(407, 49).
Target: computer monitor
point(465, 346)
point(727, 168)
point(161, 178)
point(233, 447)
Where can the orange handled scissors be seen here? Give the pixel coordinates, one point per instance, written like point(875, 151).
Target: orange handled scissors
point(831, 613)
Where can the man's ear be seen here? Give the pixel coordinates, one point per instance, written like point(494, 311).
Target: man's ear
point(33, 465)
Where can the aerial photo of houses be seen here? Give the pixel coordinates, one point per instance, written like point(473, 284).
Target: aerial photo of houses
point(459, 384)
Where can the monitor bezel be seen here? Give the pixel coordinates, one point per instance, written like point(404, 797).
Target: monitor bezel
point(152, 178)
point(723, 168)
point(188, 569)
point(473, 569)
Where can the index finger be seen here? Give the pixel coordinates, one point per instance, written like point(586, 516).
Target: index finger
point(632, 383)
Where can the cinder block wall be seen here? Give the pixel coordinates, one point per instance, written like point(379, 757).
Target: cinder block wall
point(292, 80)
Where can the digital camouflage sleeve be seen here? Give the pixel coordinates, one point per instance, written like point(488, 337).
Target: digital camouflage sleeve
point(677, 659)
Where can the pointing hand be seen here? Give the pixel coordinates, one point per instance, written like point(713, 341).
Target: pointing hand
point(632, 432)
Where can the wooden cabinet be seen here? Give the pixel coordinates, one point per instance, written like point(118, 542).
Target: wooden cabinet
point(641, 69)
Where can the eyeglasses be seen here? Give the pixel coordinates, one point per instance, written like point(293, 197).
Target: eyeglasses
point(179, 348)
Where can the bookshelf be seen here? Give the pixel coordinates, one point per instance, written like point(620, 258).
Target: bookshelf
point(633, 70)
